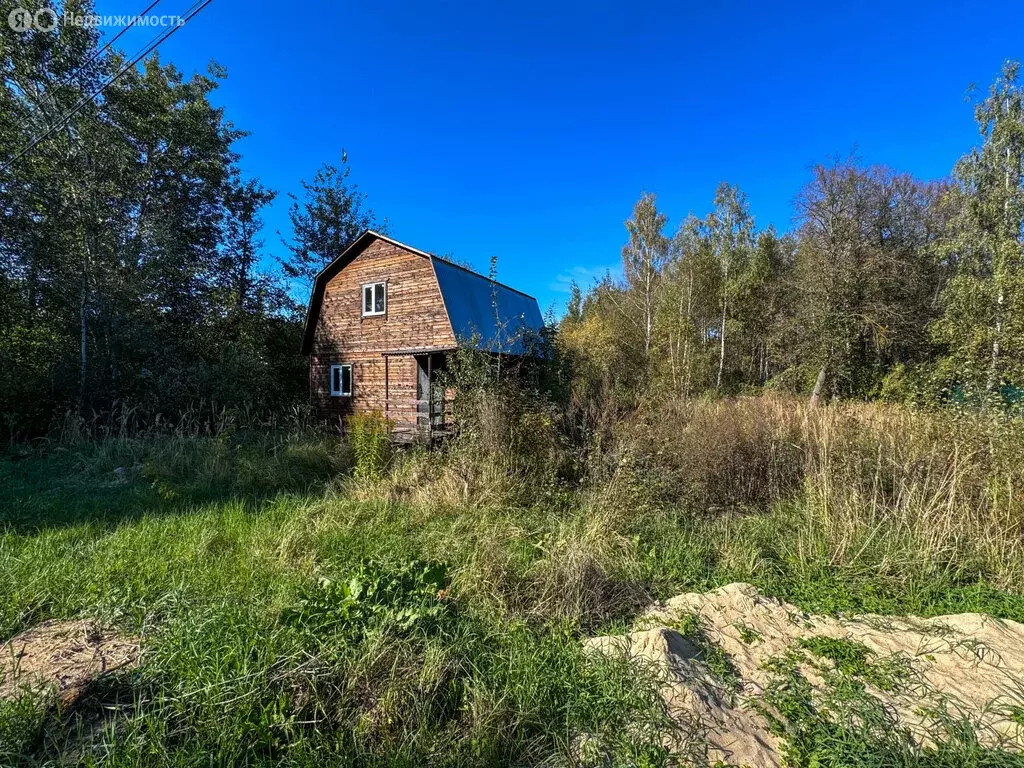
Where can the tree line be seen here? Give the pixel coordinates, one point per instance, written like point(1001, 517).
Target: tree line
point(134, 268)
point(135, 273)
point(887, 286)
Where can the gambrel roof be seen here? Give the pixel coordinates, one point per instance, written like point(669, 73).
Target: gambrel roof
point(483, 313)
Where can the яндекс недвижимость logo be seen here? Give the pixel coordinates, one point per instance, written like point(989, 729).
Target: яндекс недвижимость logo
point(46, 19)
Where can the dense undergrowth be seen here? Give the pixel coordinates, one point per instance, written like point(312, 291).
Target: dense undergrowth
point(295, 610)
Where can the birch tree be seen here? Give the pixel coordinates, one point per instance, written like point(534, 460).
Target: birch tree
point(643, 259)
point(731, 230)
point(982, 326)
point(686, 309)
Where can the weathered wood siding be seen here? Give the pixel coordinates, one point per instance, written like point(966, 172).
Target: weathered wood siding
point(415, 318)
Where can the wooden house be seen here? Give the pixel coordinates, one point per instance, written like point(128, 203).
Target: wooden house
point(383, 318)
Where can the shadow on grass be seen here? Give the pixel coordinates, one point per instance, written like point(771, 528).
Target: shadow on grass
point(97, 485)
point(39, 730)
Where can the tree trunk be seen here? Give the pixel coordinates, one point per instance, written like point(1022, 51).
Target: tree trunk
point(819, 385)
point(686, 342)
point(83, 359)
point(648, 309)
point(673, 361)
point(721, 338)
point(993, 368)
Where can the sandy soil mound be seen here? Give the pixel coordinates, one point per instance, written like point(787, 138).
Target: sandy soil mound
point(967, 665)
point(64, 656)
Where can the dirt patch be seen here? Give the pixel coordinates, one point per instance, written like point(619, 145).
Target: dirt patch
point(63, 657)
point(923, 671)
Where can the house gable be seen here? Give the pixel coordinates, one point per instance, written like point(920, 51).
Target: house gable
point(339, 334)
point(415, 308)
point(415, 315)
point(441, 304)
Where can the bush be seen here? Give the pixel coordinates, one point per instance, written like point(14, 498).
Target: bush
point(710, 456)
point(369, 435)
point(506, 448)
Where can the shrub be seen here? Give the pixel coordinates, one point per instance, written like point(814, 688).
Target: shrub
point(712, 455)
point(506, 448)
point(369, 436)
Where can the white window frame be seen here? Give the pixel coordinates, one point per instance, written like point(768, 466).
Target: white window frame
point(339, 392)
point(373, 298)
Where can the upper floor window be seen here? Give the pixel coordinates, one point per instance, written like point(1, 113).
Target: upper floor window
point(375, 299)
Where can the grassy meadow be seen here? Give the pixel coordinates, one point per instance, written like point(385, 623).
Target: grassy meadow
point(306, 601)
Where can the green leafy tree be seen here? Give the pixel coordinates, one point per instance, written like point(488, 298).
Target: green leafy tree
point(130, 251)
point(574, 307)
point(982, 325)
point(731, 232)
point(245, 290)
point(865, 279)
point(643, 258)
point(764, 307)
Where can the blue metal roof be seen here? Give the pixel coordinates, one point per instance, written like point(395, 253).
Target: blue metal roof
point(485, 314)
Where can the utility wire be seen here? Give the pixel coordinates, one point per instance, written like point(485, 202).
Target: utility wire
point(66, 117)
point(66, 80)
point(109, 43)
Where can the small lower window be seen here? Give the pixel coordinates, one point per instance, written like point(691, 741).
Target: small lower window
point(341, 380)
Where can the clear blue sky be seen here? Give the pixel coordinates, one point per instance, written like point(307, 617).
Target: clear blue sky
point(526, 130)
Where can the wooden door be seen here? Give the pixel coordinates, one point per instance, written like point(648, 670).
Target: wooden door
point(423, 375)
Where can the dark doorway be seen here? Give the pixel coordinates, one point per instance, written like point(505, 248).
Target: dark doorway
point(429, 395)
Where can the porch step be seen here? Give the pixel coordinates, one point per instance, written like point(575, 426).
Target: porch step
point(418, 435)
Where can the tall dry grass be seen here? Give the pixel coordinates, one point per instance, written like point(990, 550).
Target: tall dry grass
point(932, 488)
point(857, 484)
point(691, 493)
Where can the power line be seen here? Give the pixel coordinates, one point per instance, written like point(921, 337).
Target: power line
point(66, 80)
point(66, 117)
point(109, 43)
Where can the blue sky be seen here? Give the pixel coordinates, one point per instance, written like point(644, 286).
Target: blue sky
point(526, 130)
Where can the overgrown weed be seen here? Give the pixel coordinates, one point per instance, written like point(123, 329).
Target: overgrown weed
point(204, 544)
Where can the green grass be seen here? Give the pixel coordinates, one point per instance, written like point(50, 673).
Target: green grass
point(290, 628)
point(844, 726)
point(853, 659)
point(293, 614)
